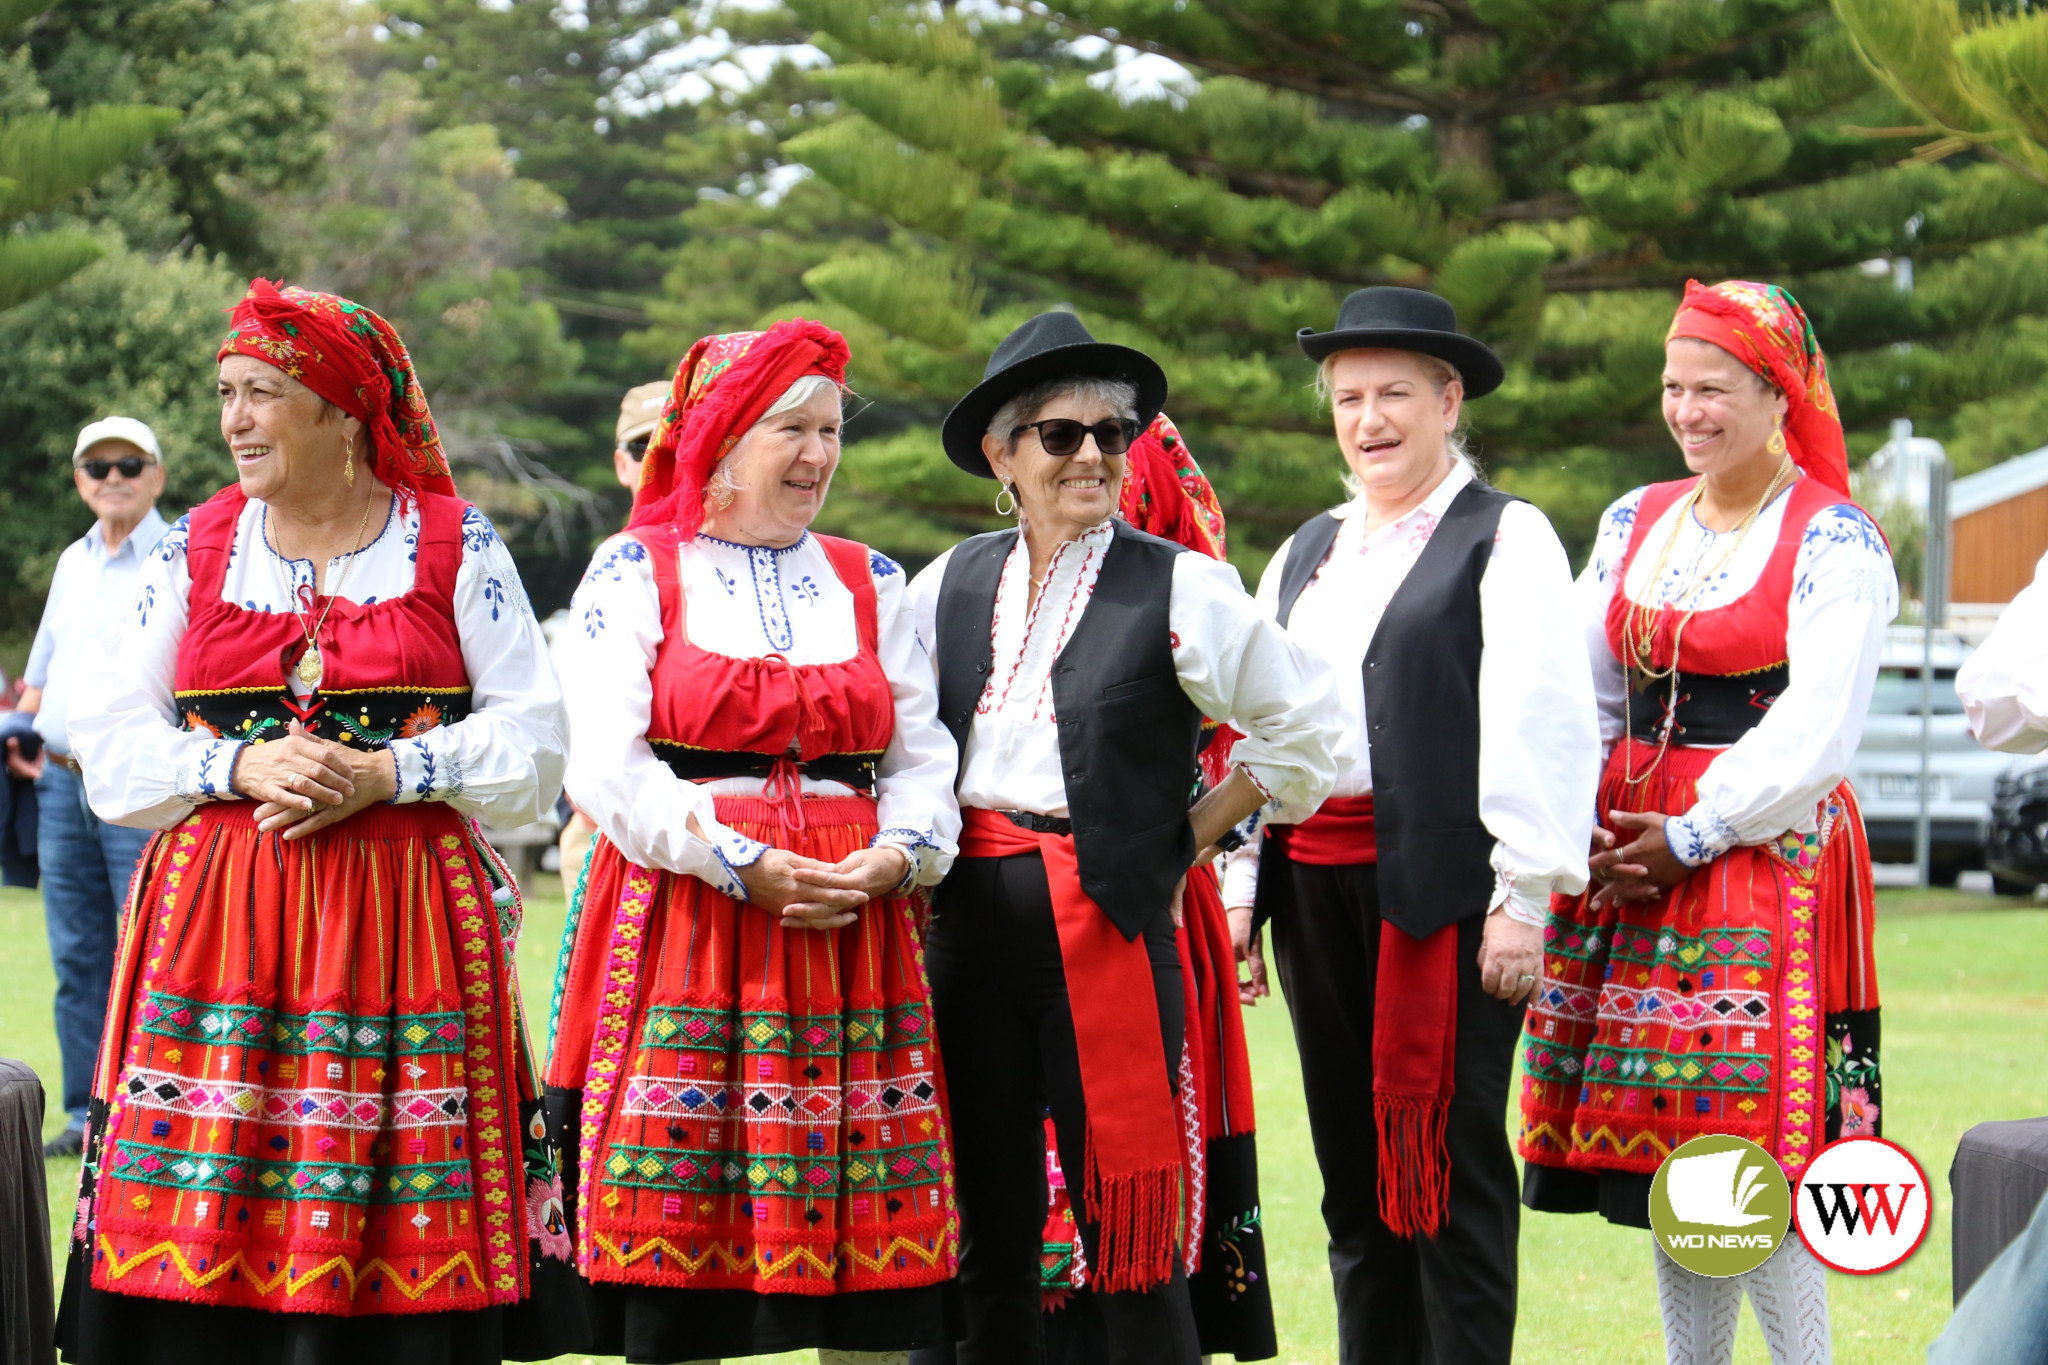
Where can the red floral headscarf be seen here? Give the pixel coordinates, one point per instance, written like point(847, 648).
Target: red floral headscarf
point(354, 359)
point(1166, 494)
point(722, 388)
point(1765, 328)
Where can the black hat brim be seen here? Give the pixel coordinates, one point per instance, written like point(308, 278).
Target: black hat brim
point(968, 422)
point(1480, 368)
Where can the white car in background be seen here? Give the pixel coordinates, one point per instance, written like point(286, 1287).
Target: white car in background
point(1886, 769)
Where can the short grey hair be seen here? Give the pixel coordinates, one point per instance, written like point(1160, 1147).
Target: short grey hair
point(1441, 372)
point(1120, 396)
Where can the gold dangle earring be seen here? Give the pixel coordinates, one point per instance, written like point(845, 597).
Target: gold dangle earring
point(1776, 445)
point(1008, 491)
point(348, 461)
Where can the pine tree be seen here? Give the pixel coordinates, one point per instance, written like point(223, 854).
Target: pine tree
point(1557, 168)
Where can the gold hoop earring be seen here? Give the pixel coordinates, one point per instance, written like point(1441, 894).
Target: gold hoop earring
point(348, 461)
point(720, 491)
point(1010, 492)
point(1776, 445)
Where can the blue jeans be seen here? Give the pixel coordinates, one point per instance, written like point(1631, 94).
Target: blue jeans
point(87, 864)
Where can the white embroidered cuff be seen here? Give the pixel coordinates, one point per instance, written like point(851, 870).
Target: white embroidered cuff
point(1524, 901)
point(211, 777)
point(1698, 837)
point(424, 772)
point(918, 845)
point(728, 881)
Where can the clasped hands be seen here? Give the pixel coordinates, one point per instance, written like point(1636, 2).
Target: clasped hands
point(1640, 870)
point(303, 783)
point(810, 894)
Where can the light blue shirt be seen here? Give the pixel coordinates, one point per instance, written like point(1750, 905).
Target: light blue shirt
point(91, 591)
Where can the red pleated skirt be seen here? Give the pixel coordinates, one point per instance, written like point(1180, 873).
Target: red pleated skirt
point(317, 1097)
point(762, 1108)
point(1720, 1007)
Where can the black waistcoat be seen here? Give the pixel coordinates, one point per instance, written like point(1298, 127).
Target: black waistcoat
point(1422, 714)
point(1128, 734)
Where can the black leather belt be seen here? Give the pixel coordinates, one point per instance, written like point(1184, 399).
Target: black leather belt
point(1710, 708)
point(709, 765)
point(1038, 824)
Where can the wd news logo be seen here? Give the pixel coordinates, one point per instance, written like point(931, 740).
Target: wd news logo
point(1863, 1205)
point(1719, 1206)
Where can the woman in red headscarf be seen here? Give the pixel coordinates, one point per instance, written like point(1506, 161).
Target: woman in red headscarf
point(743, 1043)
point(1718, 977)
point(315, 1134)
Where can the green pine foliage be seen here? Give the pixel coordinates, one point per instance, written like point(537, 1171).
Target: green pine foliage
point(1557, 168)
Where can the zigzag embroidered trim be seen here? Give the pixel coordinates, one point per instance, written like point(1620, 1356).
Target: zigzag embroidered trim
point(737, 1260)
point(291, 1276)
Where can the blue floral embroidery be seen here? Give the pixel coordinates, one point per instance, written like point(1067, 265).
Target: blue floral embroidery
point(477, 531)
point(425, 785)
point(728, 584)
point(1868, 567)
point(1843, 524)
point(593, 620)
point(144, 602)
point(174, 541)
point(768, 603)
point(494, 593)
point(807, 589)
point(881, 566)
point(625, 551)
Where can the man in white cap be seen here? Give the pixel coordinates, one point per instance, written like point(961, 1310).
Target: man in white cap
point(639, 414)
point(118, 467)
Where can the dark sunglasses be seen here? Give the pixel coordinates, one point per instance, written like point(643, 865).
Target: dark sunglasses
point(1061, 436)
point(131, 467)
point(636, 449)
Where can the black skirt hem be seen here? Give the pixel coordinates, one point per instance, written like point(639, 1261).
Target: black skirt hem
point(662, 1326)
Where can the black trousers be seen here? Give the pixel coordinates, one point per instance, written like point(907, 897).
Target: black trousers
point(1443, 1300)
point(1006, 1037)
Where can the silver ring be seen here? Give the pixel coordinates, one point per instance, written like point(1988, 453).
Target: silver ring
point(1525, 979)
point(292, 781)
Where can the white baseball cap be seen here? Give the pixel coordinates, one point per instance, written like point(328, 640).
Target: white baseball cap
point(126, 429)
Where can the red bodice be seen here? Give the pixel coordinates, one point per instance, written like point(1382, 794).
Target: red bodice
point(389, 668)
point(1741, 636)
point(768, 706)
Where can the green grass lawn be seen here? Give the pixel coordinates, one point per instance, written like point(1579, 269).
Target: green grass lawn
point(1965, 985)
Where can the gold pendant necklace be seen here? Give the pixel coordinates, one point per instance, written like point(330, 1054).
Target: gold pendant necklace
point(311, 669)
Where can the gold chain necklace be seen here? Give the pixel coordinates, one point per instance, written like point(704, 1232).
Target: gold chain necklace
point(1639, 622)
point(310, 670)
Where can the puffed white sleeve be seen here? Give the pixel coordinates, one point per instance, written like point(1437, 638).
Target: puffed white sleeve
point(2004, 685)
point(1844, 593)
point(1240, 872)
point(615, 777)
point(1597, 583)
point(917, 809)
point(1237, 664)
point(141, 769)
point(1539, 734)
point(502, 763)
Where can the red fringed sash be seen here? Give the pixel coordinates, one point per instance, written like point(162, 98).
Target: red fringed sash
point(1132, 1185)
point(1414, 1029)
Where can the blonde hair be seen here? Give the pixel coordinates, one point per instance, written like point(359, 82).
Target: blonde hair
point(1441, 373)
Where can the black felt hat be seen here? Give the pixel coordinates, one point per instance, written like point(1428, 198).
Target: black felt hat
point(1049, 346)
point(1387, 318)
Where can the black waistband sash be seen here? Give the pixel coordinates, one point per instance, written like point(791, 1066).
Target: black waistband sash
point(1711, 708)
point(367, 719)
point(709, 765)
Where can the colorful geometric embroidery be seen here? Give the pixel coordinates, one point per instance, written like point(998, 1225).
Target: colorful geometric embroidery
point(340, 1182)
point(172, 1093)
point(199, 1021)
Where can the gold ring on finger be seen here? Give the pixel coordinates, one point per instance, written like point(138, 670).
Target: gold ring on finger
point(292, 781)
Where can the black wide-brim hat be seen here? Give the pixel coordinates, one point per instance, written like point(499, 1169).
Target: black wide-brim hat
point(1049, 346)
point(1387, 318)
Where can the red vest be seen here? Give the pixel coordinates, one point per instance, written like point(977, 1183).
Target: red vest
point(391, 669)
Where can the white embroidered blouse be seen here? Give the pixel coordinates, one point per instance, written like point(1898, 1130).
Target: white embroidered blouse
point(744, 602)
point(2004, 685)
point(502, 763)
point(1539, 752)
point(1844, 593)
point(1232, 662)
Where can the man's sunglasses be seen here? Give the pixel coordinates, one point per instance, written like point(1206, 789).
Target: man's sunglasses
point(636, 449)
point(131, 467)
point(1061, 436)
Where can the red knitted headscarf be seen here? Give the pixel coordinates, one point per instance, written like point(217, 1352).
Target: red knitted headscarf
point(354, 359)
point(722, 388)
point(1165, 493)
point(1765, 328)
